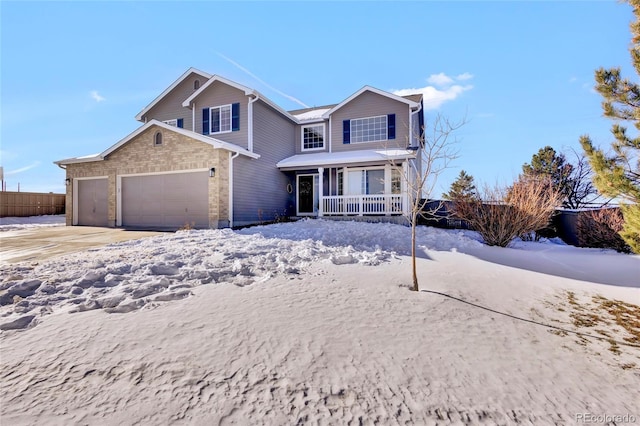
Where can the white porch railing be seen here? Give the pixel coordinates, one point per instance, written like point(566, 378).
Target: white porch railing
point(381, 204)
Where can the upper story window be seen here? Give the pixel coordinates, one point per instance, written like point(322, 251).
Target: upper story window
point(313, 137)
point(369, 129)
point(221, 119)
point(196, 85)
point(176, 122)
point(157, 139)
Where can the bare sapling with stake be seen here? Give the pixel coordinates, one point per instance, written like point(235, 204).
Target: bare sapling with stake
point(435, 152)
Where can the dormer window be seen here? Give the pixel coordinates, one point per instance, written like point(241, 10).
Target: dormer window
point(157, 139)
point(196, 84)
point(313, 137)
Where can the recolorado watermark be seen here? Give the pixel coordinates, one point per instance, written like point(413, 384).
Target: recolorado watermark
point(591, 418)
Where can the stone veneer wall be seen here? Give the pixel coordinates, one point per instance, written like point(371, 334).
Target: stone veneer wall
point(176, 153)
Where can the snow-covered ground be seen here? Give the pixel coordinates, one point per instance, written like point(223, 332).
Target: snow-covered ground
point(313, 322)
point(17, 223)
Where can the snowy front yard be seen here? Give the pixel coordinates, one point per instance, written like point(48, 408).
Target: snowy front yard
point(312, 322)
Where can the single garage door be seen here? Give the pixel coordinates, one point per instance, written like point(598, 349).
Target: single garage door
point(93, 202)
point(168, 201)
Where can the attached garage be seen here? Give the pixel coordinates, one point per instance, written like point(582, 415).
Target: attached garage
point(166, 200)
point(92, 203)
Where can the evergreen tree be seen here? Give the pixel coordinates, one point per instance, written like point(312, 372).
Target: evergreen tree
point(618, 174)
point(463, 188)
point(551, 166)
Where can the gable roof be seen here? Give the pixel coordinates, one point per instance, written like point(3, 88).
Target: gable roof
point(416, 97)
point(402, 99)
point(247, 91)
point(213, 79)
point(216, 143)
point(170, 88)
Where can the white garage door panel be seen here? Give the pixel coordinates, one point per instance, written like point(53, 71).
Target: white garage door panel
point(93, 202)
point(166, 201)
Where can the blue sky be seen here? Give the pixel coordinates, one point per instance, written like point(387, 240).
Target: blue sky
point(74, 74)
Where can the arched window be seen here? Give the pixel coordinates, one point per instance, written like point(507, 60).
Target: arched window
point(196, 85)
point(157, 139)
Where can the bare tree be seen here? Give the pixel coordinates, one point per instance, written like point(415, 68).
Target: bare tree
point(580, 189)
point(437, 151)
point(502, 213)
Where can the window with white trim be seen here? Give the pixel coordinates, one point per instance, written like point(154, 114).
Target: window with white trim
point(173, 122)
point(313, 137)
point(220, 119)
point(370, 129)
point(365, 181)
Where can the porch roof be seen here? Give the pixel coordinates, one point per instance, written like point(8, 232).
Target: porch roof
point(321, 159)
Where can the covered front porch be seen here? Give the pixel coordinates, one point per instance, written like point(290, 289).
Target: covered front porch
point(364, 188)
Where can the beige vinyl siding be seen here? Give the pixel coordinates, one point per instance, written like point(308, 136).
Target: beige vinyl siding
point(298, 144)
point(171, 107)
point(260, 189)
point(370, 104)
point(221, 94)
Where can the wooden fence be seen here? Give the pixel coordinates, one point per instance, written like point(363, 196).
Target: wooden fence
point(30, 203)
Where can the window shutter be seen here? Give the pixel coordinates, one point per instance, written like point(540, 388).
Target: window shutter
point(421, 130)
point(346, 131)
point(235, 117)
point(391, 126)
point(180, 123)
point(205, 121)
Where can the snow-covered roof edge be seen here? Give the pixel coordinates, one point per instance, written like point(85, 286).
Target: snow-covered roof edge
point(349, 157)
point(170, 88)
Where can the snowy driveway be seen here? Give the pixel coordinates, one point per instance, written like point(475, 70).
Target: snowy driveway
point(38, 243)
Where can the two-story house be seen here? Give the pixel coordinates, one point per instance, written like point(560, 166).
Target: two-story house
point(213, 153)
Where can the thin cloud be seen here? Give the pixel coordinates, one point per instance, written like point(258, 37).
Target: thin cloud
point(23, 169)
point(291, 98)
point(439, 79)
point(447, 90)
point(96, 96)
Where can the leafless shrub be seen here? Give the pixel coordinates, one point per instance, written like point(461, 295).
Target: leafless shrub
point(502, 213)
point(600, 228)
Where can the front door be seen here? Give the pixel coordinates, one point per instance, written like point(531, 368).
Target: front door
point(307, 199)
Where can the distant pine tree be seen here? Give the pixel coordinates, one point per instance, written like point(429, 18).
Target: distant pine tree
point(618, 174)
point(548, 164)
point(463, 188)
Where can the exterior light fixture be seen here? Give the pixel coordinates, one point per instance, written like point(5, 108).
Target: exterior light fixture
point(212, 172)
point(67, 182)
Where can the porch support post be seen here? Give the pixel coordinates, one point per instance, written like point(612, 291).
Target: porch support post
point(320, 191)
point(405, 192)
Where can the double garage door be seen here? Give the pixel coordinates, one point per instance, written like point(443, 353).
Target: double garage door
point(168, 201)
